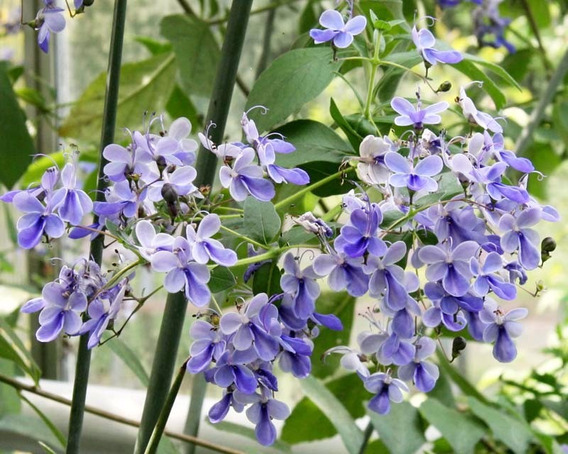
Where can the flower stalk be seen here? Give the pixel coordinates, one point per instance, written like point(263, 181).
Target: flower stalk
point(96, 250)
point(176, 305)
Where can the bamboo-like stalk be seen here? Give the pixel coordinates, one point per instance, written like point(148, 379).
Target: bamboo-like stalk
point(96, 250)
point(16, 384)
point(176, 305)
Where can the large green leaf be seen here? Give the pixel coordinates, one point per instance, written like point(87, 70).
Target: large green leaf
point(197, 53)
point(17, 146)
point(404, 419)
point(127, 355)
point(350, 434)
point(509, 430)
point(289, 82)
point(348, 389)
point(31, 427)
point(460, 430)
point(261, 222)
point(463, 384)
point(145, 86)
point(314, 141)
point(497, 69)
point(343, 306)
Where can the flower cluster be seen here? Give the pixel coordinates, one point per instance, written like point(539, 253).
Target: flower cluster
point(48, 207)
point(451, 212)
point(237, 351)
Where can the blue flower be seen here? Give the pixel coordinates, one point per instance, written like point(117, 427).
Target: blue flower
point(49, 20)
point(262, 413)
point(387, 389)
point(205, 248)
point(423, 373)
point(501, 328)
point(338, 31)
point(414, 178)
point(424, 41)
point(518, 236)
point(418, 117)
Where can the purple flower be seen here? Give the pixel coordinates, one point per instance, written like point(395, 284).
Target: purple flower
point(423, 373)
point(262, 413)
point(361, 235)
point(409, 115)
point(424, 41)
point(295, 356)
point(450, 265)
point(280, 174)
point(301, 285)
point(501, 328)
point(209, 344)
point(248, 329)
point(517, 236)
point(74, 202)
point(387, 389)
point(475, 116)
point(414, 178)
point(183, 272)
point(60, 311)
point(150, 242)
point(338, 31)
point(227, 372)
point(488, 279)
point(39, 219)
point(180, 130)
point(205, 248)
point(344, 273)
point(371, 168)
point(244, 178)
point(49, 20)
point(102, 312)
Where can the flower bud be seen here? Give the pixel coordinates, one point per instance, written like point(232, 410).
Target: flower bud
point(458, 345)
point(444, 87)
point(169, 194)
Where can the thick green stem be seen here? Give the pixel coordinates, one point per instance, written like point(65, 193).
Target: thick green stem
point(96, 250)
point(165, 414)
point(176, 305)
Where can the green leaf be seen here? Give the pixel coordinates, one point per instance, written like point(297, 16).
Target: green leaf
point(13, 349)
point(298, 428)
point(404, 419)
point(509, 430)
point(125, 353)
point(9, 397)
point(497, 69)
point(261, 222)
point(197, 53)
point(221, 279)
point(342, 305)
point(289, 82)
point(145, 86)
point(350, 434)
point(154, 46)
point(546, 160)
point(179, 105)
point(17, 145)
point(29, 426)
point(560, 408)
point(53, 429)
point(46, 447)
point(460, 430)
point(474, 73)
point(318, 170)
point(267, 279)
point(314, 141)
point(232, 428)
point(466, 387)
point(354, 138)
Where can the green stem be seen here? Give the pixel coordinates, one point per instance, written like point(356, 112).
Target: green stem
point(96, 251)
point(176, 304)
point(198, 388)
point(166, 410)
point(286, 202)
